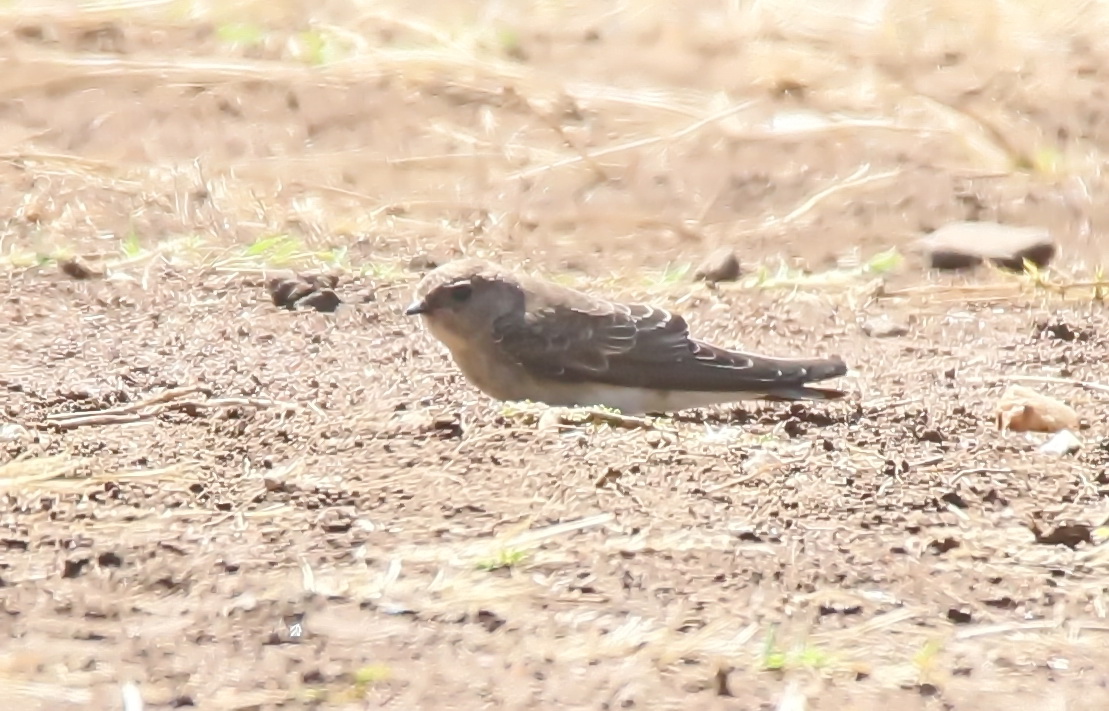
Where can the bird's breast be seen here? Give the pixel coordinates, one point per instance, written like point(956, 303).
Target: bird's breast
point(484, 367)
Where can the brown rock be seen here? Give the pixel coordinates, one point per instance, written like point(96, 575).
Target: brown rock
point(286, 292)
point(1023, 409)
point(313, 291)
point(75, 268)
point(721, 265)
point(423, 263)
point(961, 245)
point(884, 327)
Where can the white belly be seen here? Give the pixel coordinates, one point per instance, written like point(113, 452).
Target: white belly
point(639, 400)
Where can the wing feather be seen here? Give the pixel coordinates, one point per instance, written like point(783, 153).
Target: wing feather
point(640, 346)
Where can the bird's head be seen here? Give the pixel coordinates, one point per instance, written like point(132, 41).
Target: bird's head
point(464, 298)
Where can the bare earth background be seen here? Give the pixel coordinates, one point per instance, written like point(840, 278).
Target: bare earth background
point(247, 473)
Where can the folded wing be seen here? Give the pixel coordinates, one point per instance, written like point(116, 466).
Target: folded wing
point(643, 346)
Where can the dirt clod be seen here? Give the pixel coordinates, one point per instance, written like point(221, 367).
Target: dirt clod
point(423, 262)
point(1062, 331)
point(286, 292)
point(1070, 535)
point(884, 327)
point(305, 292)
point(720, 682)
point(77, 268)
point(959, 616)
point(74, 567)
point(720, 266)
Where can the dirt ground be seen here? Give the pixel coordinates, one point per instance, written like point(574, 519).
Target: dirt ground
point(212, 501)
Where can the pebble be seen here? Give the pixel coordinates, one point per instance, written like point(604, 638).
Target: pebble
point(423, 262)
point(305, 292)
point(550, 421)
point(77, 268)
point(1064, 442)
point(721, 265)
point(13, 432)
point(961, 245)
point(884, 327)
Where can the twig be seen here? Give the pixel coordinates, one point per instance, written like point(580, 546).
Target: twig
point(631, 145)
point(614, 418)
point(1096, 387)
point(32, 470)
point(260, 403)
point(570, 418)
point(1010, 289)
point(73, 420)
point(876, 408)
point(131, 408)
point(558, 529)
point(558, 128)
point(734, 482)
point(989, 630)
point(856, 179)
point(877, 623)
point(967, 472)
point(155, 405)
point(931, 289)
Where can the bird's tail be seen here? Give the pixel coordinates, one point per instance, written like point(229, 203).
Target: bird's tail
point(812, 371)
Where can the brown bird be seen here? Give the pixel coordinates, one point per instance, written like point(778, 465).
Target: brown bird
point(520, 338)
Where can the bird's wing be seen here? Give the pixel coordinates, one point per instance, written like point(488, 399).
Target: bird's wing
point(641, 346)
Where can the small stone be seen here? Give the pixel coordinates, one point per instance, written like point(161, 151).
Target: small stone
point(959, 616)
point(447, 426)
point(550, 421)
point(721, 265)
point(245, 602)
point(884, 327)
point(75, 268)
point(422, 263)
point(275, 484)
point(961, 245)
point(13, 432)
point(1022, 409)
point(1070, 535)
point(1064, 442)
point(311, 291)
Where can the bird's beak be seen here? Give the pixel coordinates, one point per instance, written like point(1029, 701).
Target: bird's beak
point(416, 307)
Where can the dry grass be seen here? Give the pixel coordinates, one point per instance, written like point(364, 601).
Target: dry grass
point(524, 138)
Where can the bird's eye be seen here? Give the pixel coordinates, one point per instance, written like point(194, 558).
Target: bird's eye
point(461, 293)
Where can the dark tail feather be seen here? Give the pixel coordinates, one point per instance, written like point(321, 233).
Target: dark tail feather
point(815, 371)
